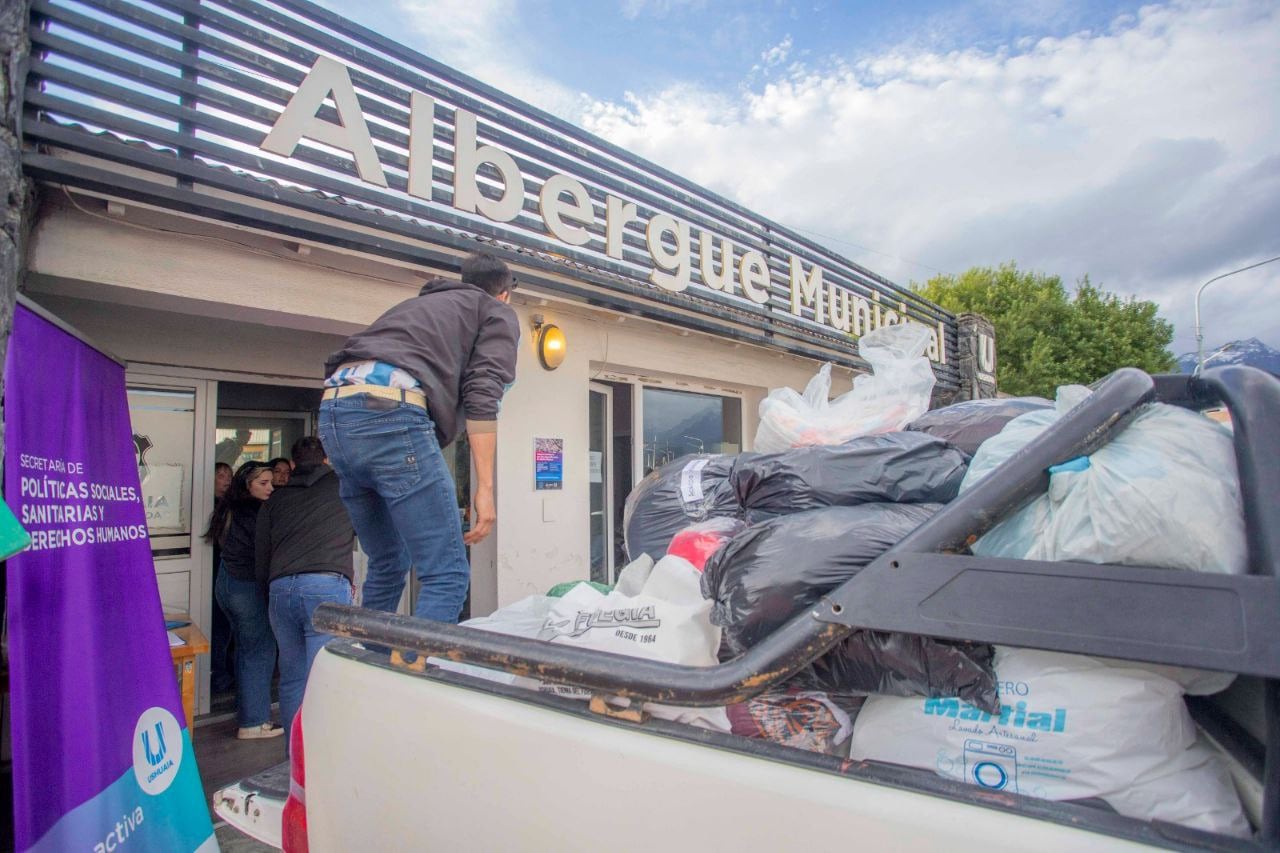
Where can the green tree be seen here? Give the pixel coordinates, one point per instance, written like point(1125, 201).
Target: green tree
point(1046, 337)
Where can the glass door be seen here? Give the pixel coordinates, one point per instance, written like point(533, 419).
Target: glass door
point(600, 481)
point(171, 421)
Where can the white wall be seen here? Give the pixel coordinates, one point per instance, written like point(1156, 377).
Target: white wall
point(543, 537)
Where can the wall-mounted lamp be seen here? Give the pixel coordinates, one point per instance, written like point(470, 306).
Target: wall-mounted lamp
point(551, 343)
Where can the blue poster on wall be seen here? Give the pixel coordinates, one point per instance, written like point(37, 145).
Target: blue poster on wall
point(548, 463)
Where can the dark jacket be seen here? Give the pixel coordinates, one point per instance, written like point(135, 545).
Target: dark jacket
point(457, 341)
point(238, 541)
point(304, 528)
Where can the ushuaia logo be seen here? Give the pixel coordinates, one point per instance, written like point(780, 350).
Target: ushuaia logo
point(154, 758)
point(623, 617)
point(1016, 716)
point(157, 750)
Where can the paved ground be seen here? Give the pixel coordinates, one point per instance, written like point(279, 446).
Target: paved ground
point(223, 759)
point(232, 840)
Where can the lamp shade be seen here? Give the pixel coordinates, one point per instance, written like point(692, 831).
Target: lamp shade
point(551, 347)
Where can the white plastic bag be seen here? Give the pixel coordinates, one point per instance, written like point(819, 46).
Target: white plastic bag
point(666, 619)
point(1163, 492)
point(1071, 727)
point(655, 611)
point(894, 394)
point(525, 618)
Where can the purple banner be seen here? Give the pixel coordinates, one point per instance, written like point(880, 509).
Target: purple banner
point(101, 754)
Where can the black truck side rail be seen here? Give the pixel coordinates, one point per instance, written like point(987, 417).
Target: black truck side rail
point(924, 585)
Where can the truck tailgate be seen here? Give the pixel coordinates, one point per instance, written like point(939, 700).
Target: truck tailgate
point(412, 762)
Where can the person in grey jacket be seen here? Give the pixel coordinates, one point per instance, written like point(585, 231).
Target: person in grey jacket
point(396, 394)
point(302, 555)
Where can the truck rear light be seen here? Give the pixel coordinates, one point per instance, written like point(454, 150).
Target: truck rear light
point(294, 830)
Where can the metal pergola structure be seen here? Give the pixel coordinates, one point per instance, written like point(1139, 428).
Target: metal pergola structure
point(187, 90)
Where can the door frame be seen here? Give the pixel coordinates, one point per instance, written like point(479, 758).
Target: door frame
point(607, 462)
point(200, 563)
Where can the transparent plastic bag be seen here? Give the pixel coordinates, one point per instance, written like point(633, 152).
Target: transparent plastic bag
point(1163, 492)
point(896, 392)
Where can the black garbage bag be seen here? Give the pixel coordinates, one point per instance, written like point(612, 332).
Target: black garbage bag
point(966, 425)
point(773, 570)
point(778, 568)
point(690, 489)
point(899, 467)
point(906, 665)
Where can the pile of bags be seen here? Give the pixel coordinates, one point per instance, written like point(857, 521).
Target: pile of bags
point(726, 549)
point(1164, 492)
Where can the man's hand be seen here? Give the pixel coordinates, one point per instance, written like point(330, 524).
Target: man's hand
point(483, 449)
point(483, 514)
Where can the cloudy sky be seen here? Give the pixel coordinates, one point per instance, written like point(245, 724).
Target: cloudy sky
point(1138, 144)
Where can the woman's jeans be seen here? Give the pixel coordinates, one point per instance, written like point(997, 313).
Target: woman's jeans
point(293, 599)
point(402, 502)
point(255, 647)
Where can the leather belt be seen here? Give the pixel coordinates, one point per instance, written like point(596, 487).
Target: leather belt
point(413, 398)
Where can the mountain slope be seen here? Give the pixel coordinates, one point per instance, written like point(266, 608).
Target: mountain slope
point(1250, 351)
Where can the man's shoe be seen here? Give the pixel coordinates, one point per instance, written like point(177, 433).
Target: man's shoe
point(265, 730)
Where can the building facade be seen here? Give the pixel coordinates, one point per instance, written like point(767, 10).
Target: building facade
point(228, 188)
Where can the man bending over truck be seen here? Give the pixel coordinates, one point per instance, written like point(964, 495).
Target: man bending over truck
point(398, 392)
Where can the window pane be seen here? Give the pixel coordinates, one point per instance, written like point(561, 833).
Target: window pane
point(677, 423)
point(164, 439)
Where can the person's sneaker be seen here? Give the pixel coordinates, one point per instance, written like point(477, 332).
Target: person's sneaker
point(263, 731)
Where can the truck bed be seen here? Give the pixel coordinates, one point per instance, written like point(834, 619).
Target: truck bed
point(416, 757)
point(493, 767)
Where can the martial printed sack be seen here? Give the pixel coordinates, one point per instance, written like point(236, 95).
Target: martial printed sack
point(896, 392)
point(1070, 728)
point(1164, 492)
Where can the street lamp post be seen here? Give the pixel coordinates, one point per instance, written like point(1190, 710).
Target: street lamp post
point(1199, 330)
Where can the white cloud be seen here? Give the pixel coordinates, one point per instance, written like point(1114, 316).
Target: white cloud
point(1145, 155)
point(777, 54)
point(484, 39)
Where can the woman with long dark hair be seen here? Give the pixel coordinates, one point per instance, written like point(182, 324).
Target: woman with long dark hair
point(233, 526)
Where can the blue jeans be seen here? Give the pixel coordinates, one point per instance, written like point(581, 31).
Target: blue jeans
point(293, 599)
point(255, 646)
point(401, 499)
point(222, 673)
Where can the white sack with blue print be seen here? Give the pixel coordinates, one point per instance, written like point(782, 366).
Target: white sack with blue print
point(1071, 728)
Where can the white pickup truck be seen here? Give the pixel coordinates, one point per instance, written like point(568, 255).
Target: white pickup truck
point(392, 754)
